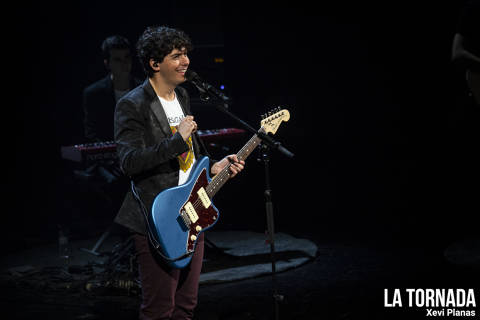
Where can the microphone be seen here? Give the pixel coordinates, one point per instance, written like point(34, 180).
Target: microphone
point(203, 86)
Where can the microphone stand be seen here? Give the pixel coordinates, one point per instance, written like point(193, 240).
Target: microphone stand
point(267, 144)
point(265, 157)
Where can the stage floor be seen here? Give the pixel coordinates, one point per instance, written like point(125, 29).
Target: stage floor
point(316, 279)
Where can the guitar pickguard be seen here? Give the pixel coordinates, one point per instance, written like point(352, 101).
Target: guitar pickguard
point(205, 217)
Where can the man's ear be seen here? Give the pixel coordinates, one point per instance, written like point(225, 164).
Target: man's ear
point(154, 65)
point(105, 62)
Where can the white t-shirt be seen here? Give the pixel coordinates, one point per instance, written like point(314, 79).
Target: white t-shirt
point(174, 113)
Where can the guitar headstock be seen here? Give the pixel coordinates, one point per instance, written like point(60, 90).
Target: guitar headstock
point(272, 120)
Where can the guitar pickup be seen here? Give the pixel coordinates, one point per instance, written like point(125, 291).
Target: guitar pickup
point(202, 194)
point(192, 214)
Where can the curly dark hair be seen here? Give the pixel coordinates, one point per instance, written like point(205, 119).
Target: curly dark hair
point(114, 42)
point(156, 42)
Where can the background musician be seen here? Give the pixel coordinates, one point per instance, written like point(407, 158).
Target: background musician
point(466, 135)
point(99, 100)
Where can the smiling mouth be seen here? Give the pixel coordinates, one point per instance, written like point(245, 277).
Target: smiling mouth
point(182, 71)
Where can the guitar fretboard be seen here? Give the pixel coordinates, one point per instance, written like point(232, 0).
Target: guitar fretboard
point(219, 180)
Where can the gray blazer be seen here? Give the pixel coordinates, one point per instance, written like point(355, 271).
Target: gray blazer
point(148, 150)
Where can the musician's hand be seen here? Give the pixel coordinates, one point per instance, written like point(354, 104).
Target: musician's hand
point(186, 127)
point(235, 168)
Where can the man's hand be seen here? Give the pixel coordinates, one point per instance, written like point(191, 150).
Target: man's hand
point(235, 168)
point(186, 127)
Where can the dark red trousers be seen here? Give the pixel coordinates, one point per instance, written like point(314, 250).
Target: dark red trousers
point(167, 293)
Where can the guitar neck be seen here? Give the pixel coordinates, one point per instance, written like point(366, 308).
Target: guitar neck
point(219, 180)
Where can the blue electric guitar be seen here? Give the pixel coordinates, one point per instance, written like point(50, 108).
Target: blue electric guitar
point(180, 214)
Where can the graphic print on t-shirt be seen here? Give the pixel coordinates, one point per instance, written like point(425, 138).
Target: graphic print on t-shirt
point(185, 159)
point(175, 114)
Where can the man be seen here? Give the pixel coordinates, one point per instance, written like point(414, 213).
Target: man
point(157, 146)
point(100, 98)
point(465, 172)
point(466, 48)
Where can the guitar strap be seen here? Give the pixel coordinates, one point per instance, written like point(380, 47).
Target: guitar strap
point(153, 241)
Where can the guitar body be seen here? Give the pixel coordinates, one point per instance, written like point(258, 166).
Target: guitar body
point(179, 215)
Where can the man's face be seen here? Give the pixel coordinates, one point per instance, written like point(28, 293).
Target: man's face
point(120, 62)
point(174, 66)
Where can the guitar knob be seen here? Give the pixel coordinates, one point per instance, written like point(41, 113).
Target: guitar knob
point(193, 237)
point(198, 228)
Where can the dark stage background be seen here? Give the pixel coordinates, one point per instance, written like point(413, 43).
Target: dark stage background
point(375, 127)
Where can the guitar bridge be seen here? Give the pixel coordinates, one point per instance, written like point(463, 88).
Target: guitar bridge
point(185, 218)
